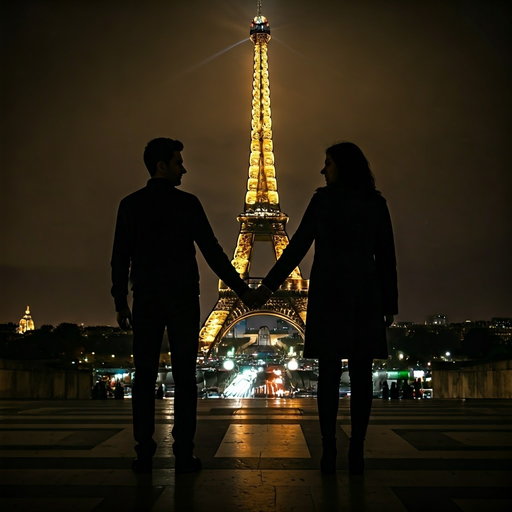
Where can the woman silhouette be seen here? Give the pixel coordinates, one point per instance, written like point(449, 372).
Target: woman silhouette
point(353, 291)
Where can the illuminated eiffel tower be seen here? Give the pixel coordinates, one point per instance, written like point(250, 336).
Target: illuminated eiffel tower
point(262, 219)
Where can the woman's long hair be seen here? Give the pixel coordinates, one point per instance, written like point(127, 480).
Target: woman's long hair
point(353, 169)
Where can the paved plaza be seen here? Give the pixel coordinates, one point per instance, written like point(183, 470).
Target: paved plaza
point(258, 455)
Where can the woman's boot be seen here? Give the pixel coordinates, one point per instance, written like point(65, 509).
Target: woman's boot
point(356, 456)
point(329, 453)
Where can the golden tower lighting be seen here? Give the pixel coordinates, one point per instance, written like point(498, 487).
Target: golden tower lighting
point(262, 219)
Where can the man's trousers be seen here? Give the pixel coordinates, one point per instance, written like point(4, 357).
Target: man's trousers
point(151, 315)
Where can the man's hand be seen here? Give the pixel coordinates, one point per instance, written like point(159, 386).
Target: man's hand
point(124, 319)
point(388, 320)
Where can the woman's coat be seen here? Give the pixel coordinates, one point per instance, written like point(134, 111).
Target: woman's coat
point(353, 281)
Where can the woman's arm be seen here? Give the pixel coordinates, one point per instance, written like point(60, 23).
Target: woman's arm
point(295, 251)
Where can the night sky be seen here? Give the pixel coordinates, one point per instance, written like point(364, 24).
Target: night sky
point(422, 87)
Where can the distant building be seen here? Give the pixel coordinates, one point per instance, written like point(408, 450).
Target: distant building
point(469, 324)
point(264, 336)
point(403, 325)
point(26, 323)
point(240, 329)
point(436, 320)
point(501, 323)
point(282, 326)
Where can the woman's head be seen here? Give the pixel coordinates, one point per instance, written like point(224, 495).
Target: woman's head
point(346, 166)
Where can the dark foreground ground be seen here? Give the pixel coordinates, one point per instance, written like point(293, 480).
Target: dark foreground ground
point(258, 455)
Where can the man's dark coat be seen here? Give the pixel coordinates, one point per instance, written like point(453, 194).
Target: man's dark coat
point(156, 232)
point(353, 281)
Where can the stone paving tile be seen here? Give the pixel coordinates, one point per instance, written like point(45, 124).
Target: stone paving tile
point(264, 441)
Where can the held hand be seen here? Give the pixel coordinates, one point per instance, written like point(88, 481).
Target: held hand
point(388, 320)
point(249, 297)
point(262, 295)
point(124, 319)
point(255, 298)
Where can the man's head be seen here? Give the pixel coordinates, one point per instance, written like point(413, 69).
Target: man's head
point(162, 157)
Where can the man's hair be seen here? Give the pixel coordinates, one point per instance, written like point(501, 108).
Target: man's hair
point(161, 149)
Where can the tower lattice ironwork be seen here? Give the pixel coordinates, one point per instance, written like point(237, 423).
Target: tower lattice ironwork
point(262, 219)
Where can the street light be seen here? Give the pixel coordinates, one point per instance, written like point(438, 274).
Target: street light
point(228, 365)
point(293, 365)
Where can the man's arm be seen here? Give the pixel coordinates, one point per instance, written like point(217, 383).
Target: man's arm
point(120, 264)
point(215, 255)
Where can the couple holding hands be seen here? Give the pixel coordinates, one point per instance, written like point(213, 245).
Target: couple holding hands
point(352, 299)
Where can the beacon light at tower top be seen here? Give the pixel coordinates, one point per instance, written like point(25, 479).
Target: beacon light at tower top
point(260, 24)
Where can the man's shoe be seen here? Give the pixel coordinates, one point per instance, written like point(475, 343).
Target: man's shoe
point(142, 466)
point(187, 465)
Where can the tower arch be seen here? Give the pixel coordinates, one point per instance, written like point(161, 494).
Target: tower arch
point(253, 313)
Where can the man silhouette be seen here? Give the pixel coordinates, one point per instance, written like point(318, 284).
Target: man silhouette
point(156, 229)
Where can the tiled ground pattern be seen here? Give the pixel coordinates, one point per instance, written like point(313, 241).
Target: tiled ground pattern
point(258, 456)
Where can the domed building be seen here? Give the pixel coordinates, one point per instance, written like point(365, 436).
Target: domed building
point(26, 323)
point(264, 336)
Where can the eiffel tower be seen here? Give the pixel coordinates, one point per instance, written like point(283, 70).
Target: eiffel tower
point(262, 219)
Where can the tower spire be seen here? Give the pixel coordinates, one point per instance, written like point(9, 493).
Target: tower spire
point(261, 184)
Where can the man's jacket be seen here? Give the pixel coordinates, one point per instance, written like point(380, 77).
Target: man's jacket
point(154, 249)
